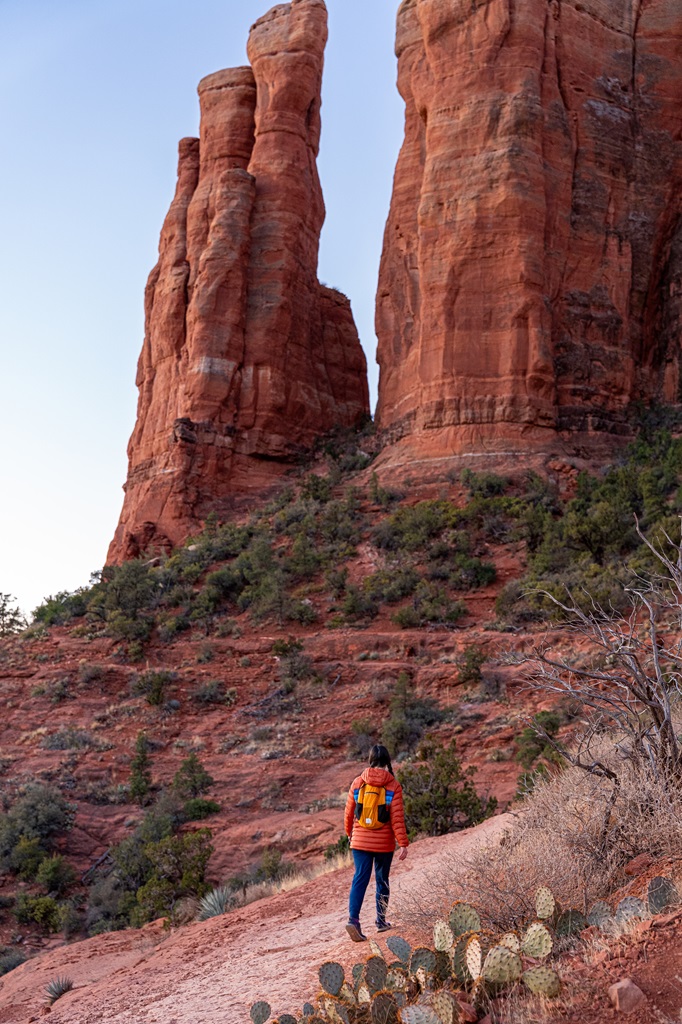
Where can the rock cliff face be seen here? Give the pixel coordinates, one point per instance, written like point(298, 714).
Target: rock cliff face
point(532, 267)
point(246, 358)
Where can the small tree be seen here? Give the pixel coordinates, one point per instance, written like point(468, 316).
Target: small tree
point(635, 682)
point(191, 778)
point(11, 618)
point(439, 794)
point(140, 771)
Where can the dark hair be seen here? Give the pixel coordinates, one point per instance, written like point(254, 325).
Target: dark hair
point(379, 757)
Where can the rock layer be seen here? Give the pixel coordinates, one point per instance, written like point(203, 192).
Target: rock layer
point(532, 265)
point(247, 358)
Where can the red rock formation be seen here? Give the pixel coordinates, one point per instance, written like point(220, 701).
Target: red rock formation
point(532, 267)
point(247, 358)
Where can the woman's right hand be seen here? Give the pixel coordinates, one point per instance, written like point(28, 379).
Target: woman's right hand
point(403, 853)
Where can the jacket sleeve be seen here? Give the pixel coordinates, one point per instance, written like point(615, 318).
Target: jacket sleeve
point(349, 814)
point(398, 817)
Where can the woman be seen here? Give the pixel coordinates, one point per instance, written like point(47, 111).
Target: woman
point(375, 821)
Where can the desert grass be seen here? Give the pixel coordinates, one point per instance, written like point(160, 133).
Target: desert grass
point(575, 833)
point(289, 881)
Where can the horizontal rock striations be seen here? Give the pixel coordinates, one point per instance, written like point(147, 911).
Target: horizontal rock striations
point(532, 265)
point(247, 358)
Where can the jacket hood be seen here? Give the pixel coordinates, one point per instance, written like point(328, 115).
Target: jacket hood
point(377, 777)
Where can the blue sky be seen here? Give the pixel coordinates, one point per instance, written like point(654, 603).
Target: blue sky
point(95, 95)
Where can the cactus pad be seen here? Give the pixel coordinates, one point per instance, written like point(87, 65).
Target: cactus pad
point(631, 909)
point(501, 966)
point(443, 966)
point(384, 1008)
point(662, 894)
point(419, 1015)
point(287, 1018)
point(375, 949)
point(443, 939)
point(374, 974)
point(544, 903)
point(357, 972)
point(400, 948)
point(364, 995)
point(600, 915)
point(458, 962)
point(473, 957)
point(396, 979)
point(537, 942)
point(337, 1011)
point(570, 922)
point(422, 957)
point(331, 977)
point(510, 940)
point(446, 1006)
point(308, 1010)
point(347, 995)
point(260, 1012)
point(542, 981)
point(463, 918)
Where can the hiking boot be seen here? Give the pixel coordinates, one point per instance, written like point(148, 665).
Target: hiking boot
point(384, 926)
point(355, 932)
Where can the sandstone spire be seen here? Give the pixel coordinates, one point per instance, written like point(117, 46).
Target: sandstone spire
point(532, 266)
point(246, 358)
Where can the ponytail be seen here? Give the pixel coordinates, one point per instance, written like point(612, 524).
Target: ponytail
point(379, 757)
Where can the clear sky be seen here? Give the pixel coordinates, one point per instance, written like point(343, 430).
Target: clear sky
point(95, 95)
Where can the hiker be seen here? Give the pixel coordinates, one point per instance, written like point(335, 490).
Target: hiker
point(375, 821)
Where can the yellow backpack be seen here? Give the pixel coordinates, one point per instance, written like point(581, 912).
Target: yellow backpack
point(371, 808)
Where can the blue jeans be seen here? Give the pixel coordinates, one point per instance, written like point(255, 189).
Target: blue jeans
point(363, 872)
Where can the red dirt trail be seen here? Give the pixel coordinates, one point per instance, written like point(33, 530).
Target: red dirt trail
point(211, 972)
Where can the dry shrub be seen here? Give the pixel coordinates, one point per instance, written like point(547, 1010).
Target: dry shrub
point(572, 835)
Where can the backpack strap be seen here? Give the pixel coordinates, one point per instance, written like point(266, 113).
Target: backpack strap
point(357, 796)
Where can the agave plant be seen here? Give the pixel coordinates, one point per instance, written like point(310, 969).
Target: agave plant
point(57, 987)
point(214, 903)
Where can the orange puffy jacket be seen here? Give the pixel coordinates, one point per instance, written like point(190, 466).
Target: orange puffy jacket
point(377, 840)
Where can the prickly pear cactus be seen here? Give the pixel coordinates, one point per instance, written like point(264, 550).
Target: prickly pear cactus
point(363, 993)
point(501, 966)
point(473, 957)
point(631, 909)
point(347, 995)
point(446, 1007)
point(544, 903)
point(425, 980)
point(397, 978)
point(357, 972)
point(443, 938)
point(537, 942)
point(287, 1018)
point(331, 977)
point(308, 1010)
point(463, 918)
point(459, 967)
point(600, 915)
point(375, 949)
point(418, 1015)
point(511, 941)
point(570, 922)
point(384, 1008)
point(662, 893)
point(443, 967)
point(260, 1012)
point(422, 957)
point(374, 974)
point(337, 1011)
point(542, 981)
point(400, 948)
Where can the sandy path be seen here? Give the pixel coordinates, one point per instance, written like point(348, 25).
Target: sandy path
point(210, 973)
